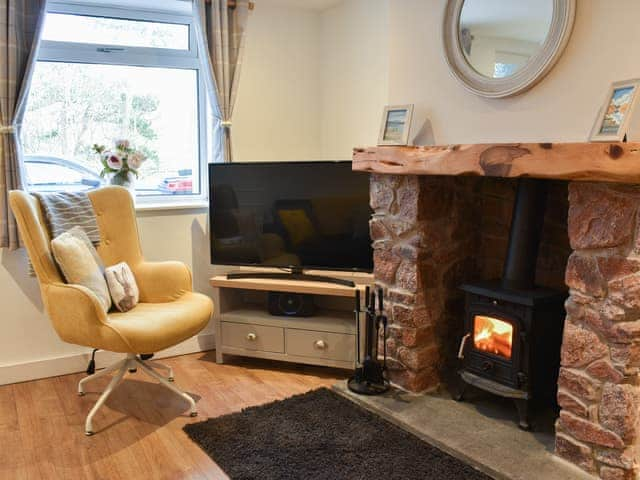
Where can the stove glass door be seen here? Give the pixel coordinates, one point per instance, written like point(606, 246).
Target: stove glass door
point(492, 335)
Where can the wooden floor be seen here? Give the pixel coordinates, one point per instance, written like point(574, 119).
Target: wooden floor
point(139, 430)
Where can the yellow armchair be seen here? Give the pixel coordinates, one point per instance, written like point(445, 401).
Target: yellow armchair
point(162, 281)
point(169, 311)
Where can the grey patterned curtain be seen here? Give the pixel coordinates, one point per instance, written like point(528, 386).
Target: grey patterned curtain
point(20, 23)
point(223, 25)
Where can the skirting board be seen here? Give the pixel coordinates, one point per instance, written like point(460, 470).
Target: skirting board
point(52, 367)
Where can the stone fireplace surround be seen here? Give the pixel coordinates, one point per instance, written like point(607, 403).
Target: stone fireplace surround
point(432, 233)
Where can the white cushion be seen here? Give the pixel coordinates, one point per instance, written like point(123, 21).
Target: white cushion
point(80, 264)
point(123, 287)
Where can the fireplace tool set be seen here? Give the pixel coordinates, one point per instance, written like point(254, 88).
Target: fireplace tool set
point(369, 377)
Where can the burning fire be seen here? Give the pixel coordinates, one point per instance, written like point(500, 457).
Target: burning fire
point(492, 335)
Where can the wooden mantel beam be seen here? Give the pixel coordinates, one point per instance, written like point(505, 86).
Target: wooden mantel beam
point(587, 161)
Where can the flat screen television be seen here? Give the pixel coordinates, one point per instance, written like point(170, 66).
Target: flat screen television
point(292, 215)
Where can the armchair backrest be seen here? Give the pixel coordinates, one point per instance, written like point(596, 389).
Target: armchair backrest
point(34, 235)
point(119, 239)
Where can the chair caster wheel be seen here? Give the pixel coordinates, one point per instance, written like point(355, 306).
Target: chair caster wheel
point(81, 394)
point(193, 414)
point(133, 370)
point(170, 379)
point(88, 434)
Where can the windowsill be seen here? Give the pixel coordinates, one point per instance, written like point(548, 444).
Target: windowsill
point(163, 206)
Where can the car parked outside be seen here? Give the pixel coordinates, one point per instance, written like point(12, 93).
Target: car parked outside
point(53, 174)
point(181, 184)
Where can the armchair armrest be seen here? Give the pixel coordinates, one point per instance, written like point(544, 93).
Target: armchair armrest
point(75, 311)
point(161, 282)
point(78, 317)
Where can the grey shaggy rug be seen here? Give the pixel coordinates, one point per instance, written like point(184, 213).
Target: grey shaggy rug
point(321, 435)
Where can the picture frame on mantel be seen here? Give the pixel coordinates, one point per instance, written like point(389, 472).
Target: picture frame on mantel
point(396, 125)
point(614, 121)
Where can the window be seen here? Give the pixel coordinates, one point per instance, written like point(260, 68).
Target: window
point(502, 70)
point(110, 73)
point(114, 31)
point(508, 63)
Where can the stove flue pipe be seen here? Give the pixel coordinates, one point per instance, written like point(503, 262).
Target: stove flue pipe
point(519, 270)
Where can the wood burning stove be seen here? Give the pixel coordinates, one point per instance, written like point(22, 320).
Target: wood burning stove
point(513, 329)
point(512, 344)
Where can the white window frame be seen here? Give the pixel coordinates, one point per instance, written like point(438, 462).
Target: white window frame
point(106, 54)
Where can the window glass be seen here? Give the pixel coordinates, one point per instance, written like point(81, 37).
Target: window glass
point(73, 106)
point(61, 27)
point(42, 173)
point(45, 174)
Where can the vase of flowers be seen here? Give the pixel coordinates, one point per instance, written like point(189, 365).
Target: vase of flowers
point(121, 164)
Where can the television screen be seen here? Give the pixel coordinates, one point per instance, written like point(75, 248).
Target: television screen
point(312, 215)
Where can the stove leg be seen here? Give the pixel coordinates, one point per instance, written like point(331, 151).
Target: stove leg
point(523, 413)
point(458, 396)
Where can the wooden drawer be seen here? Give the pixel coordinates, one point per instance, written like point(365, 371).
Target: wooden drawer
point(332, 346)
point(253, 337)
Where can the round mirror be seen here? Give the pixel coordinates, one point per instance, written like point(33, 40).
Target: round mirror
point(499, 48)
point(499, 37)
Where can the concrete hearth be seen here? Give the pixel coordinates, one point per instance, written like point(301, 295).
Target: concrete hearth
point(487, 438)
point(432, 233)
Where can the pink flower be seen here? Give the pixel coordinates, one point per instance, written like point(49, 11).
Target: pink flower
point(113, 160)
point(136, 159)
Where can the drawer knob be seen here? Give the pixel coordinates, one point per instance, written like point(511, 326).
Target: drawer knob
point(320, 344)
point(251, 337)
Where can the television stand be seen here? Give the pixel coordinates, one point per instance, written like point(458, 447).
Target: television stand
point(294, 274)
point(244, 327)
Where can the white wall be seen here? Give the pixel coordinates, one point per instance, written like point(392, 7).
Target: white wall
point(314, 80)
point(355, 68)
point(277, 113)
point(562, 107)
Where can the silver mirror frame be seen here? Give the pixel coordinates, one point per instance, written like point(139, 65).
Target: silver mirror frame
point(525, 78)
